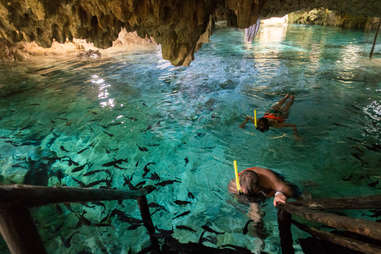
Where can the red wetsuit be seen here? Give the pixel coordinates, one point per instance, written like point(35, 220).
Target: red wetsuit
point(274, 117)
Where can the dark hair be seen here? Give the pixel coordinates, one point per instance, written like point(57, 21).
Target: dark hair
point(250, 189)
point(263, 124)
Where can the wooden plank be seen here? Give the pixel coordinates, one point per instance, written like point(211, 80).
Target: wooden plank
point(375, 39)
point(147, 221)
point(284, 226)
point(368, 202)
point(19, 231)
point(359, 226)
point(346, 242)
point(30, 195)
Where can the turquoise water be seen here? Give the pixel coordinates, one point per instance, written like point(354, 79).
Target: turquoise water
point(59, 114)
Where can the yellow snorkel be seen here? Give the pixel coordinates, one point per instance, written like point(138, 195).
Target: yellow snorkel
point(236, 176)
point(255, 118)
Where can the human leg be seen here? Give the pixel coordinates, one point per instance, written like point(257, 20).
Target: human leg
point(279, 104)
point(285, 109)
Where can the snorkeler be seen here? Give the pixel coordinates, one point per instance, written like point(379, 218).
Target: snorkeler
point(258, 183)
point(275, 117)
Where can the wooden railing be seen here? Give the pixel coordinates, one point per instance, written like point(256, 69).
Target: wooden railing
point(17, 226)
point(21, 235)
point(315, 211)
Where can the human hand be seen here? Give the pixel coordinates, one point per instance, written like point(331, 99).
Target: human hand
point(279, 197)
point(243, 124)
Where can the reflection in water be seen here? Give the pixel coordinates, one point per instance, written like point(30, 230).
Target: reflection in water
point(268, 41)
point(373, 110)
point(350, 57)
point(103, 92)
point(273, 30)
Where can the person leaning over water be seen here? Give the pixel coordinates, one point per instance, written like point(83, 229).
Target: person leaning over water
point(275, 117)
point(257, 184)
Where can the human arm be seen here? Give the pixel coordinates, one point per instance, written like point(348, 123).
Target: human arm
point(243, 124)
point(279, 189)
point(282, 191)
point(278, 105)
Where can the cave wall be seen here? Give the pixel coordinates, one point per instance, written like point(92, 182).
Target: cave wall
point(176, 25)
point(179, 26)
point(327, 17)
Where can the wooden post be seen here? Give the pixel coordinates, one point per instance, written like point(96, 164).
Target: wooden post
point(375, 39)
point(346, 242)
point(368, 202)
point(363, 227)
point(147, 221)
point(30, 195)
point(19, 231)
point(284, 225)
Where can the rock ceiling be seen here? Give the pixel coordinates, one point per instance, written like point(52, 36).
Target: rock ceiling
point(180, 26)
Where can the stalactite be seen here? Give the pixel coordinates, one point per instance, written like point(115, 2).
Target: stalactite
point(176, 25)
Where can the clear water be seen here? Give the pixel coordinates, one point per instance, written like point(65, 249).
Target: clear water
point(188, 118)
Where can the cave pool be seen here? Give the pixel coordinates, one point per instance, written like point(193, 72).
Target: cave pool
point(57, 114)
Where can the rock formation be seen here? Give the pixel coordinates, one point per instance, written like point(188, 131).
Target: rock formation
point(327, 17)
point(178, 26)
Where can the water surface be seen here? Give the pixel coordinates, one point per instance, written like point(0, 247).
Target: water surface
point(182, 123)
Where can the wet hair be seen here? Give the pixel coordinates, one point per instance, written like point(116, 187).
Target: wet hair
point(250, 189)
point(263, 124)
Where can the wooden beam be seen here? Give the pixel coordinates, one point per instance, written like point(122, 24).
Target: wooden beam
point(30, 195)
point(368, 202)
point(285, 235)
point(375, 39)
point(363, 227)
point(346, 242)
point(147, 221)
point(19, 231)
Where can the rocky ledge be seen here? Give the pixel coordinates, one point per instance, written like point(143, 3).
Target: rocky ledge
point(179, 26)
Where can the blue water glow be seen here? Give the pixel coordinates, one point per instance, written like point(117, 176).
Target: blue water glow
point(184, 120)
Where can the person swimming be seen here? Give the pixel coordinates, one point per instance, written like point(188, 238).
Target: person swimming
point(275, 117)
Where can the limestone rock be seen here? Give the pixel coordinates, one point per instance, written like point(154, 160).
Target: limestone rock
point(177, 25)
point(326, 17)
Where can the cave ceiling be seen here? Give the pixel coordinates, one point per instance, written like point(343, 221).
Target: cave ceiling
point(179, 26)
